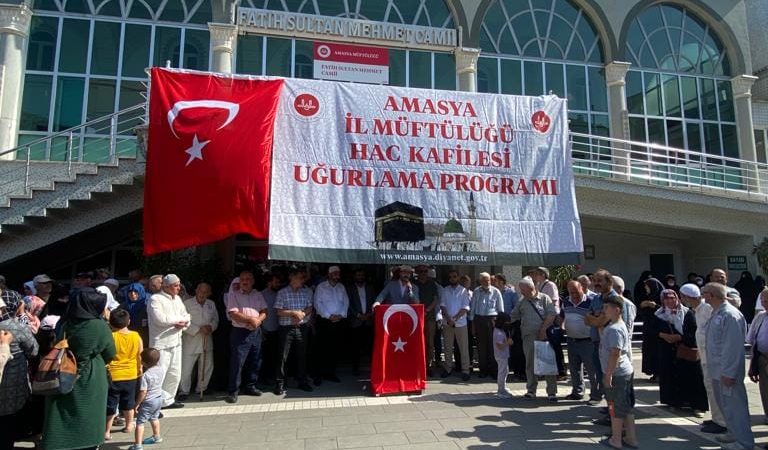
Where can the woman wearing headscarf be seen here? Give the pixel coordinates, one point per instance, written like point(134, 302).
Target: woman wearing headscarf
point(70, 419)
point(639, 292)
point(649, 302)
point(748, 291)
point(670, 282)
point(14, 387)
point(676, 324)
point(136, 305)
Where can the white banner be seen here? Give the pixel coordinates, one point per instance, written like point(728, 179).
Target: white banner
point(376, 174)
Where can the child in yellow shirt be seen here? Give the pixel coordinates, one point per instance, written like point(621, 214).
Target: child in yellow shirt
point(124, 371)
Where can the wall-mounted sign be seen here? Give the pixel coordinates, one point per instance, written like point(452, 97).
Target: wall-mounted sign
point(314, 27)
point(737, 263)
point(343, 62)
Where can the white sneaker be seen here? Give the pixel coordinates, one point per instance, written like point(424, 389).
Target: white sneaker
point(725, 438)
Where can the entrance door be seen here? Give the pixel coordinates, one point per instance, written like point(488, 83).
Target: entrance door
point(662, 265)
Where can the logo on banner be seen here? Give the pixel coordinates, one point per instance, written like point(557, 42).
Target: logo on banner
point(307, 105)
point(196, 150)
point(541, 122)
point(323, 51)
point(407, 309)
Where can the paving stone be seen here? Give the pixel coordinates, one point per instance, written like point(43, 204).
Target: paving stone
point(336, 431)
point(392, 417)
point(373, 440)
point(420, 437)
point(320, 444)
point(413, 425)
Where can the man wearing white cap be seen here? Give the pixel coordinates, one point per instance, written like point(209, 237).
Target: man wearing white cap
point(168, 318)
point(400, 291)
point(690, 294)
point(331, 306)
point(43, 286)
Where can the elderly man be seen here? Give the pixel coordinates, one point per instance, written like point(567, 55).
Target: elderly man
point(690, 295)
point(197, 341)
point(294, 308)
point(168, 318)
point(155, 284)
point(725, 337)
point(247, 310)
point(331, 307)
point(399, 291)
point(487, 303)
point(429, 294)
point(580, 349)
point(540, 276)
point(43, 286)
point(536, 313)
point(455, 307)
point(720, 276)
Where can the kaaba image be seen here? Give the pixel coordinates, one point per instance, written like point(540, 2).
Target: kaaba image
point(399, 222)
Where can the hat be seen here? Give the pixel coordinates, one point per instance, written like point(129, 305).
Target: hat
point(112, 282)
point(543, 270)
point(171, 279)
point(42, 278)
point(406, 268)
point(333, 269)
point(49, 322)
point(690, 290)
point(84, 275)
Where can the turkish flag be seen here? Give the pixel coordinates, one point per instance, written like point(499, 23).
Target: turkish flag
point(398, 363)
point(208, 159)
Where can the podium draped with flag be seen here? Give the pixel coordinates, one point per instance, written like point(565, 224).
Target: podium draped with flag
point(398, 364)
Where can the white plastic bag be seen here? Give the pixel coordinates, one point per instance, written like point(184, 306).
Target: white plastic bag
point(544, 359)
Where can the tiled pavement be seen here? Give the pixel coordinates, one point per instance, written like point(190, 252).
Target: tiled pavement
point(449, 415)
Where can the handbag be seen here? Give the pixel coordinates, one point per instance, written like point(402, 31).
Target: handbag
point(684, 352)
point(554, 332)
point(57, 372)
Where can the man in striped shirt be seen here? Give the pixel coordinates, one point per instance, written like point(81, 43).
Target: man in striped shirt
point(574, 309)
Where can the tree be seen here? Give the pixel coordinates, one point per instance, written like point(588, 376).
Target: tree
point(761, 252)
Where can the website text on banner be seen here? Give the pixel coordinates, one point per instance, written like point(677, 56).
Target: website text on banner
point(388, 175)
point(398, 364)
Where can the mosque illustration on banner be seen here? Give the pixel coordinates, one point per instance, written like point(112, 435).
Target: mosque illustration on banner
point(401, 226)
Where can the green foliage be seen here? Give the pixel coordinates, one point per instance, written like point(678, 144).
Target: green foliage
point(561, 274)
point(189, 267)
point(761, 252)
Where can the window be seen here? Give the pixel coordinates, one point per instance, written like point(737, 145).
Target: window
point(760, 146)
point(542, 47)
point(681, 82)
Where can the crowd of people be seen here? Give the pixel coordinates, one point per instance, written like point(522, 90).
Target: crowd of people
point(146, 345)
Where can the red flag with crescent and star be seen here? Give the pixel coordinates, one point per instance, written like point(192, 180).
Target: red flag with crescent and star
point(208, 159)
point(398, 364)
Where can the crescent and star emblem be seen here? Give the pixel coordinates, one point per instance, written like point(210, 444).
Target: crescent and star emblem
point(392, 310)
point(196, 150)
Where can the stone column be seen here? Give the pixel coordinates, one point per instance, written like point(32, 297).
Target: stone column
point(14, 31)
point(223, 40)
point(466, 68)
point(742, 101)
point(615, 78)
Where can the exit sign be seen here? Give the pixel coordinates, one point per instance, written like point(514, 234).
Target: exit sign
point(737, 263)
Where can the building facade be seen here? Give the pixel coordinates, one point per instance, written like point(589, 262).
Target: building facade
point(685, 74)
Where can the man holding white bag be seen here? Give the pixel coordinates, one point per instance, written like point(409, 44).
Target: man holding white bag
point(536, 313)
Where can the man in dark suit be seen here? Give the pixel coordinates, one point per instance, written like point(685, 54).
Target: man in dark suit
point(361, 297)
point(399, 291)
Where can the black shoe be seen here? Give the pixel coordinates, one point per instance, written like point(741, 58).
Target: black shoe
point(605, 421)
point(317, 381)
point(182, 397)
point(231, 398)
point(252, 391)
point(604, 410)
point(464, 377)
point(707, 422)
point(306, 387)
point(174, 405)
point(481, 375)
point(713, 428)
point(333, 379)
point(575, 397)
point(445, 374)
point(160, 416)
point(279, 389)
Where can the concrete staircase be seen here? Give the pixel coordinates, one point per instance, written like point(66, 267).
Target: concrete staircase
point(61, 201)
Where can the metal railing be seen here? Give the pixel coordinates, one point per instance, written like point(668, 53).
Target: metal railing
point(101, 140)
point(107, 138)
point(669, 167)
